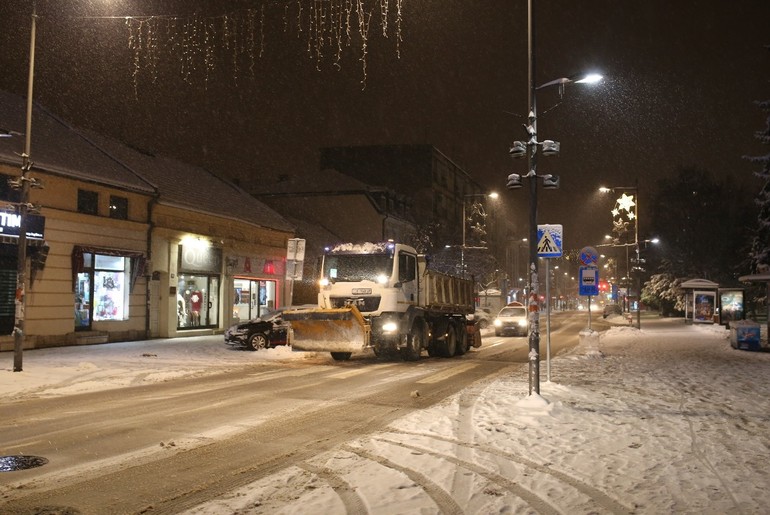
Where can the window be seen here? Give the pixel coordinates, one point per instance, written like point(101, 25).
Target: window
point(197, 301)
point(118, 207)
point(7, 192)
point(101, 291)
point(88, 202)
point(406, 268)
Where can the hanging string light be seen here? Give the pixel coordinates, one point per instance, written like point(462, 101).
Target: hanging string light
point(203, 44)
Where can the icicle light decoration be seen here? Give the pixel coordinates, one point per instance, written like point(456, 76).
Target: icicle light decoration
point(203, 44)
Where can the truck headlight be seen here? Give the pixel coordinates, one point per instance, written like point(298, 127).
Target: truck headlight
point(389, 327)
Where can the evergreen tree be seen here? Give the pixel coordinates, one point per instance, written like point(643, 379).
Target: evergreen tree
point(663, 292)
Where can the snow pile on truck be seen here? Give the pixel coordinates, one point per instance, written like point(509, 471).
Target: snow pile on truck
point(384, 296)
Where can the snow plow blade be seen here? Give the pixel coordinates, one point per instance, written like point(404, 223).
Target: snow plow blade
point(328, 330)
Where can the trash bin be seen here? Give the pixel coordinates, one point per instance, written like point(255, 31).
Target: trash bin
point(744, 334)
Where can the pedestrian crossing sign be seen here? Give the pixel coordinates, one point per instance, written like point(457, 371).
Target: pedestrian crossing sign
point(549, 240)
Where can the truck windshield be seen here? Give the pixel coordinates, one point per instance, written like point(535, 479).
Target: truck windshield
point(357, 267)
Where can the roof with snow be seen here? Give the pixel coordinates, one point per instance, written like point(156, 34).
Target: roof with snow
point(699, 284)
point(62, 149)
point(56, 147)
point(192, 187)
point(322, 182)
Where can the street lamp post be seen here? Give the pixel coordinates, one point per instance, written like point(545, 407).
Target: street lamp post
point(530, 148)
point(493, 196)
point(23, 184)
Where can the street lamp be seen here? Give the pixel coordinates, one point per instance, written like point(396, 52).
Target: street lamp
point(529, 148)
point(493, 196)
point(625, 212)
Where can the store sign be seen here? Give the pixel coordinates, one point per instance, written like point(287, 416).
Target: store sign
point(200, 259)
point(295, 249)
point(10, 224)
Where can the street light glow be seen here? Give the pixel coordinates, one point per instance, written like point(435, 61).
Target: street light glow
point(591, 78)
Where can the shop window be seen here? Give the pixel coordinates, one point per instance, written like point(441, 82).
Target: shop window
point(197, 301)
point(88, 202)
point(253, 298)
point(118, 207)
point(101, 289)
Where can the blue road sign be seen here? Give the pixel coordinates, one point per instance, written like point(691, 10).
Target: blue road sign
point(589, 281)
point(549, 240)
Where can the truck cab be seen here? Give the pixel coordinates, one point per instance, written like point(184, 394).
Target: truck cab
point(373, 277)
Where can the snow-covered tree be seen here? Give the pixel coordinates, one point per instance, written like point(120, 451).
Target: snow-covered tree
point(662, 292)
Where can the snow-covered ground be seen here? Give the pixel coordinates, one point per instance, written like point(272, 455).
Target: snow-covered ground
point(669, 419)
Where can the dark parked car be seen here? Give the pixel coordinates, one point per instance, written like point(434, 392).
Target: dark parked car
point(264, 332)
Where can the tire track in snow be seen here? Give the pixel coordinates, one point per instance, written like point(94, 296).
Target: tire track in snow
point(700, 454)
point(462, 486)
point(444, 501)
point(347, 494)
point(599, 497)
point(531, 498)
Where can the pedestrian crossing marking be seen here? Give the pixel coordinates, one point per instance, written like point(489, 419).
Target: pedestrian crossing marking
point(546, 245)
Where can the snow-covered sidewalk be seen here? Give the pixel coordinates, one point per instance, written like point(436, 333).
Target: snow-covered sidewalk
point(669, 419)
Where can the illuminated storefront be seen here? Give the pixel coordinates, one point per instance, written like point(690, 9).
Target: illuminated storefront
point(198, 286)
point(103, 282)
point(256, 288)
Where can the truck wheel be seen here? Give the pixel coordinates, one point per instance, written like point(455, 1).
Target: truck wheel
point(449, 346)
point(414, 343)
point(341, 356)
point(462, 342)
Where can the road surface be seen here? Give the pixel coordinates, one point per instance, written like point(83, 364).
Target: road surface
point(166, 447)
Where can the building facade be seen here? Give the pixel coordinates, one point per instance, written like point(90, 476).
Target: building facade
point(127, 245)
point(435, 186)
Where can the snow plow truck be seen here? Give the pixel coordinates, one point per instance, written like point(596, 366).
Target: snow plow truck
point(384, 296)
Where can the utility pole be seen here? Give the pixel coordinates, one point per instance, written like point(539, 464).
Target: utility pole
point(24, 185)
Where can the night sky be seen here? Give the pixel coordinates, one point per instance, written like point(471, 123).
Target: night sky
point(682, 79)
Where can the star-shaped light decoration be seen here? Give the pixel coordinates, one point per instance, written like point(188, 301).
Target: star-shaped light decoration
point(625, 203)
point(619, 226)
point(623, 214)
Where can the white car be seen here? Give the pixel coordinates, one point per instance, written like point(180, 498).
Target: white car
point(512, 319)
